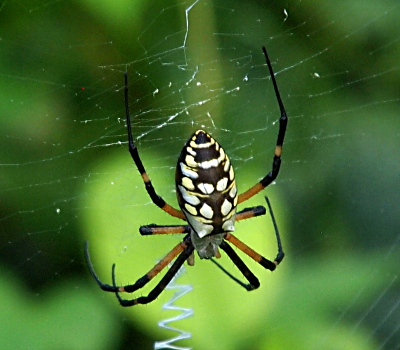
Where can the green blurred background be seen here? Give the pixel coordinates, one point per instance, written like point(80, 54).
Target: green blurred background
point(66, 175)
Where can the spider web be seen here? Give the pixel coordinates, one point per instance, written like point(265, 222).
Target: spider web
point(67, 176)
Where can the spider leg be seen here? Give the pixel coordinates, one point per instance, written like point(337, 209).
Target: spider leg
point(187, 251)
point(103, 286)
point(253, 280)
point(154, 229)
point(254, 283)
point(280, 254)
point(157, 200)
point(248, 213)
point(141, 282)
point(268, 264)
point(276, 163)
point(264, 262)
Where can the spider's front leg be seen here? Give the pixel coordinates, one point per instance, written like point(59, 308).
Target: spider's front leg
point(157, 200)
point(276, 162)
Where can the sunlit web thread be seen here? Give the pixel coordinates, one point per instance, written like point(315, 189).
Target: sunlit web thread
point(185, 313)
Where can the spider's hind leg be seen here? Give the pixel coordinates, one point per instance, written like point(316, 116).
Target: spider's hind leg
point(253, 280)
point(268, 264)
point(185, 252)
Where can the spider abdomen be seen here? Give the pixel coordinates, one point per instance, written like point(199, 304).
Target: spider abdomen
point(205, 186)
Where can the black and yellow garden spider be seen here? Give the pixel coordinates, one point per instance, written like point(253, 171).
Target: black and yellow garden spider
point(207, 197)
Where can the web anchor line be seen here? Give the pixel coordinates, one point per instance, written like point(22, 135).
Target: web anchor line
point(181, 290)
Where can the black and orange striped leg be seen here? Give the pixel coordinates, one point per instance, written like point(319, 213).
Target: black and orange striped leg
point(154, 229)
point(248, 213)
point(141, 282)
point(250, 252)
point(268, 264)
point(276, 162)
point(253, 281)
point(157, 200)
point(184, 255)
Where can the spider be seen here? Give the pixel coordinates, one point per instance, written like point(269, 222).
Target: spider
point(207, 197)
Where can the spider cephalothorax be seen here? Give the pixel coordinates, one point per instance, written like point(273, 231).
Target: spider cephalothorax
point(207, 196)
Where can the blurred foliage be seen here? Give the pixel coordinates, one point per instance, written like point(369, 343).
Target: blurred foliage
point(67, 176)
